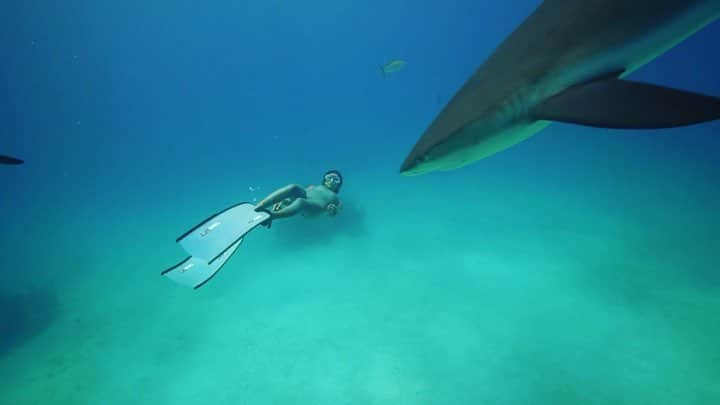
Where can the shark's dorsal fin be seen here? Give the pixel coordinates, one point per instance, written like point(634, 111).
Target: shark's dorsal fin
point(622, 104)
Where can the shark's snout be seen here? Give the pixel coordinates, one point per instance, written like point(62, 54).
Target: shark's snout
point(407, 166)
point(416, 164)
point(413, 163)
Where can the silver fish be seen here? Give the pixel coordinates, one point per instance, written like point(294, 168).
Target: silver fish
point(392, 66)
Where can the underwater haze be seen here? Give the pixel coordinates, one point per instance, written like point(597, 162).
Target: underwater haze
point(581, 266)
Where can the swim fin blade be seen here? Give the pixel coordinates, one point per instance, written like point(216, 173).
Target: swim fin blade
point(211, 243)
point(623, 104)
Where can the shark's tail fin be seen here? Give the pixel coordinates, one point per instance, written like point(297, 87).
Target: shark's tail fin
point(9, 160)
point(382, 71)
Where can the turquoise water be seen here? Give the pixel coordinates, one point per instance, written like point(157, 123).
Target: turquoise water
point(577, 267)
point(463, 288)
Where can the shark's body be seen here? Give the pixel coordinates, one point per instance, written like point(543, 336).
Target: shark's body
point(564, 63)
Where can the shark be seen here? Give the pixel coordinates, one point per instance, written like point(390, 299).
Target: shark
point(9, 160)
point(568, 62)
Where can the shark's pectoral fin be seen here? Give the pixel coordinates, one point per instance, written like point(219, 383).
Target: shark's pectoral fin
point(615, 103)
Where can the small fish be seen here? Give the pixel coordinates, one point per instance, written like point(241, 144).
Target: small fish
point(393, 66)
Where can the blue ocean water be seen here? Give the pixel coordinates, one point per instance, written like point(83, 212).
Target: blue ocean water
point(579, 266)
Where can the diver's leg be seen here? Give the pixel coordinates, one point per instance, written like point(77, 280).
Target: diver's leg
point(291, 191)
point(289, 210)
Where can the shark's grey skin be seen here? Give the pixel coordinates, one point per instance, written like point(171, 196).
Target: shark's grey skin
point(564, 43)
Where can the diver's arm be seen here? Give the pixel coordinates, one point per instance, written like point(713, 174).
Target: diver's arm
point(290, 210)
point(289, 191)
point(333, 207)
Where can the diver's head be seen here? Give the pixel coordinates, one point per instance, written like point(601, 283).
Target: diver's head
point(333, 180)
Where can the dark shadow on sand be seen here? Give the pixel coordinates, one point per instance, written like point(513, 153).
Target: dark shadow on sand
point(25, 314)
